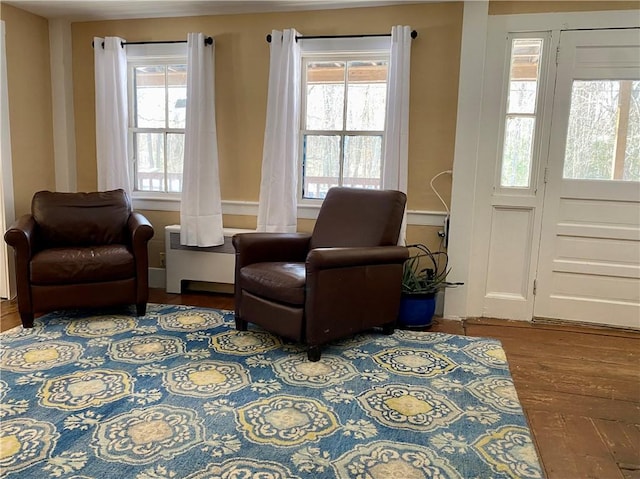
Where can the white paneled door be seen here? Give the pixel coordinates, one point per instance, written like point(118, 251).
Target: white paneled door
point(589, 256)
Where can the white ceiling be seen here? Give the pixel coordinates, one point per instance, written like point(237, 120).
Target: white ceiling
point(86, 10)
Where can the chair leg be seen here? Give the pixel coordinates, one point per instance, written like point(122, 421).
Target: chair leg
point(27, 320)
point(313, 353)
point(141, 309)
point(241, 324)
point(388, 328)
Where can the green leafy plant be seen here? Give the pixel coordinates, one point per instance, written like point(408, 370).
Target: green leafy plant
point(425, 272)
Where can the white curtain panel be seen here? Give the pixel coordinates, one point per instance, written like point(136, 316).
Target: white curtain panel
point(395, 156)
point(279, 185)
point(111, 114)
point(201, 206)
point(7, 215)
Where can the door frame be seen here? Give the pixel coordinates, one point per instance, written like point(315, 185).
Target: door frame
point(473, 171)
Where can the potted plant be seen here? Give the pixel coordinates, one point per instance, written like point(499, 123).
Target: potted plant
point(424, 274)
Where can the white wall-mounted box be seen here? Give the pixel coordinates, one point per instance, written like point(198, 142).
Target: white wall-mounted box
point(215, 264)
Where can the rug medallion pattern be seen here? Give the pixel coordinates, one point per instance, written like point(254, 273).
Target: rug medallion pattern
point(180, 394)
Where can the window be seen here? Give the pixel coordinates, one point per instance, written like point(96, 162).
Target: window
point(157, 107)
point(603, 139)
point(342, 121)
point(520, 118)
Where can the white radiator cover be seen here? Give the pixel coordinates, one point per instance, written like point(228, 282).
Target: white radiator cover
point(214, 264)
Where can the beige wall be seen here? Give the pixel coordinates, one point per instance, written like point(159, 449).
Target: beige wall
point(242, 71)
point(29, 86)
point(499, 7)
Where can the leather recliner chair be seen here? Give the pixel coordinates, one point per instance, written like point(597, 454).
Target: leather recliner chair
point(344, 278)
point(80, 250)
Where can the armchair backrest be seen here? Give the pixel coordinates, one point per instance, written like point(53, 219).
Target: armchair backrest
point(81, 219)
point(352, 217)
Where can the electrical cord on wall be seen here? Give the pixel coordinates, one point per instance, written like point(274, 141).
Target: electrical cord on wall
point(444, 235)
point(446, 207)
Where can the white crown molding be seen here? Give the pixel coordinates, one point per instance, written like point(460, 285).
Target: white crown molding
point(92, 10)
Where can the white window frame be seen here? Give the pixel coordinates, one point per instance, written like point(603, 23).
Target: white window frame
point(141, 55)
point(536, 141)
point(343, 50)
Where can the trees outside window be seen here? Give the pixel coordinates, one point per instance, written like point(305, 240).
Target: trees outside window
point(157, 105)
point(344, 103)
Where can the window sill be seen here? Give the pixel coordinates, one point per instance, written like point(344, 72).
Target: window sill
point(156, 201)
point(306, 209)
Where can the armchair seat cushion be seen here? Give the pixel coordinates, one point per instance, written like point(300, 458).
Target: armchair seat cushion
point(75, 265)
point(278, 281)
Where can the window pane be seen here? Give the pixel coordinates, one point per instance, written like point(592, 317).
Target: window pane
point(325, 95)
point(149, 150)
point(516, 155)
point(177, 89)
point(520, 120)
point(603, 136)
point(175, 158)
point(150, 97)
point(321, 164)
point(367, 95)
point(523, 77)
point(362, 165)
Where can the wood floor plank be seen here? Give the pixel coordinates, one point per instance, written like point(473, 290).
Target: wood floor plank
point(631, 474)
point(592, 369)
point(602, 347)
point(9, 317)
point(446, 326)
point(581, 355)
point(202, 299)
point(623, 441)
point(553, 443)
point(576, 377)
point(563, 403)
point(597, 461)
point(574, 383)
point(553, 325)
point(537, 332)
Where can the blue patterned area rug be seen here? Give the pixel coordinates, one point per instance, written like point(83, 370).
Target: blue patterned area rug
point(180, 394)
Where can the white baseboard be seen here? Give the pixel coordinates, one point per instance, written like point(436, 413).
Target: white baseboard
point(157, 278)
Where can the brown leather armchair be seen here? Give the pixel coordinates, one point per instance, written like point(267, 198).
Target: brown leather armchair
point(343, 278)
point(80, 250)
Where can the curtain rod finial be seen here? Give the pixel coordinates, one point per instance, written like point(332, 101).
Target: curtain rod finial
point(208, 41)
point(414, 34)
point(269, 38)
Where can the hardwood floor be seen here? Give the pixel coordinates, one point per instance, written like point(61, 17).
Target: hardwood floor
point(579, 386)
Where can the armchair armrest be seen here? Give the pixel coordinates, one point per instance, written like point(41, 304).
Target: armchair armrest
point(328, 258)
point(140, 230)
point(21, 236)
point(260, 247)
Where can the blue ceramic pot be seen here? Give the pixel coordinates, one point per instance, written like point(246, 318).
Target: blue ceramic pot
point(416, 310)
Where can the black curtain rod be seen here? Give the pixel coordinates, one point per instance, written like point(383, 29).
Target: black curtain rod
point(207, 41)
point(414, 34)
